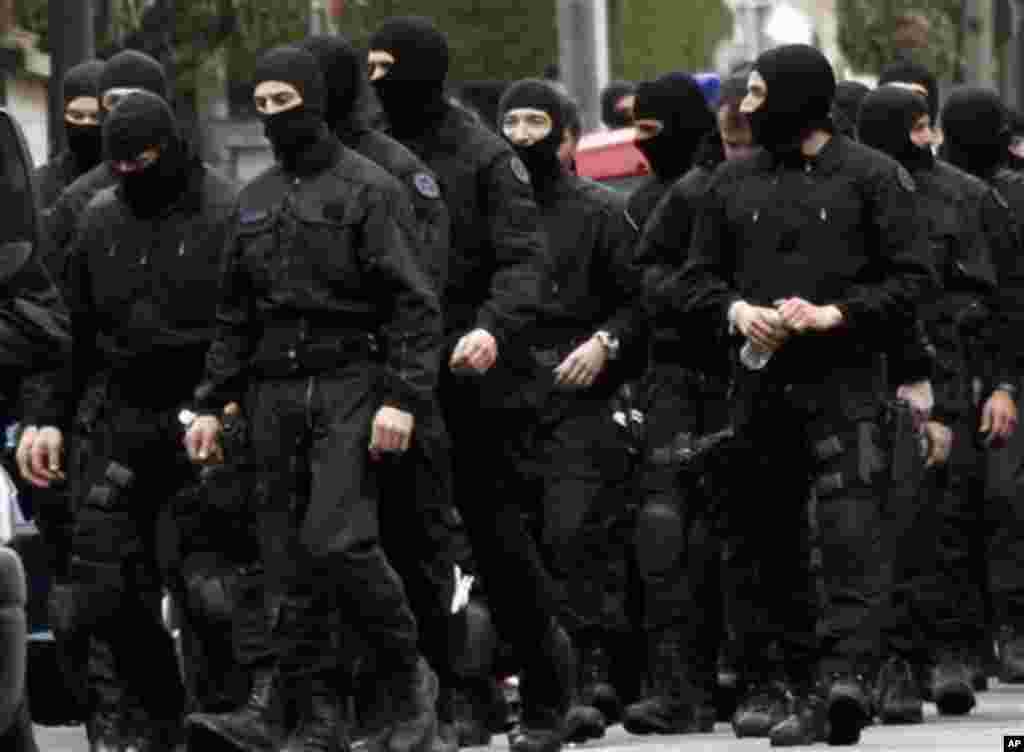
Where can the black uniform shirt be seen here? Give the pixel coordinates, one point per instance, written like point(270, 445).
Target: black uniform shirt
point(331, 250)
point(495, 274)
point(143, 296)
point(842, 229)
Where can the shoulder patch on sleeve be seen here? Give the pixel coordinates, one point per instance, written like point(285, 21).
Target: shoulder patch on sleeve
point(520, 171)
point(251, 216)
point(905, 180)
point(426, 186)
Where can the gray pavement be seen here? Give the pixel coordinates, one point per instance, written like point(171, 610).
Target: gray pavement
point(999, 712)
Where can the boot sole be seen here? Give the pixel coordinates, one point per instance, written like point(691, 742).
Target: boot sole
point(845, 721)
point(958, 702)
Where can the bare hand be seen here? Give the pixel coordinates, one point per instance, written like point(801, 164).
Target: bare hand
point(391, 433)
point(940, 443)
point(202, 440)
point(998, 418)
point(762, 326)
point(40, 453)
point(583, 365)
point(800, 316)
point(921, 399)
point(477, 351)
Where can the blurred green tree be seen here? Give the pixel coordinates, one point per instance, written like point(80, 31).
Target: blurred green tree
point(657, 36)
point(875, 32)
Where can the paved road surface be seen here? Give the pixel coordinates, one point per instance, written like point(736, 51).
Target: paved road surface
point(999, 712)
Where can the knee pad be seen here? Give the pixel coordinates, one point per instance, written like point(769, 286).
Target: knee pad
point(659, 538)
point(12, 580)
point(474, 641)
point(211, 596)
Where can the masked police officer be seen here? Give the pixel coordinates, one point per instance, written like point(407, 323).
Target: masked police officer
point(82, 127)
point(976, 129)
point(122, 74)
point(494, 290)
point(813, 410)
point(322, 267)
point(158, 232)
point(896, 121)
point(573, 442)
point(682, 634)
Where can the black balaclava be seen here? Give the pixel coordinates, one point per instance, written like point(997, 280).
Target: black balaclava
point(800, 88)
point(909, 72)
point(677, 101)
point(887, 116)
point(976, 129)
point(131, 69)
point(294, 131)
point(849, 95)
point(412, 93)
point(84, 141)
point(541, 158)
point(613, 92)
point(344, 76)
point(138, 122)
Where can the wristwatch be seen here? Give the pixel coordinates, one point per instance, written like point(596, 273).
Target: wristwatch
point(609, 342)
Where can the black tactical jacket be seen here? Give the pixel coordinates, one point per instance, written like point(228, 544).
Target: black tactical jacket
point(495, 271)
point(320, 263)
point(142, 295)
point(424, 191)
point(841, 229)
point(53, 177)
point(60, 221)
point(1007, 242)
point(957, 319)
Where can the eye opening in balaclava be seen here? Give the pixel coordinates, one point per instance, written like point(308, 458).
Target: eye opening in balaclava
point(800, 86)
point(344, 76)
point(541, 155)
point(615, 113)
point(143, 143)
point(976, 129)
point(412, 92)
point(910, 72)
point(676, 101)
point(81, 113)
point(293, 131)
point(887, 117)
point(129, 71)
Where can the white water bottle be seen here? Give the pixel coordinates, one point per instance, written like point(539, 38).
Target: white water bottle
point(754, 358)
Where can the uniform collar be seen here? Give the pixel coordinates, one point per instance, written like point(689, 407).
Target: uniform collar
point(826, 161)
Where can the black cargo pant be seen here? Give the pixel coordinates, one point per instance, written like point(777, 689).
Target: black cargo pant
point(210, 555)
point(114, 588)
point(678, 549)
point(321, 547)
point(1003, 532)
point(936, 605)
point(822, 441)
point(486, 433)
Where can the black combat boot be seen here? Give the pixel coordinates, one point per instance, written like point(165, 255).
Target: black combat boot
point(674, 705)
point(545, 696)
point(807, 723)
point(472, 703)
point(414, 707)
point(897, 694)
point(585, 720)
point(761, 709)
point(848, 708)
point(1011, 657)
point(256, 727)
point(951, 686)
point(320, 726)
point(596, 688)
